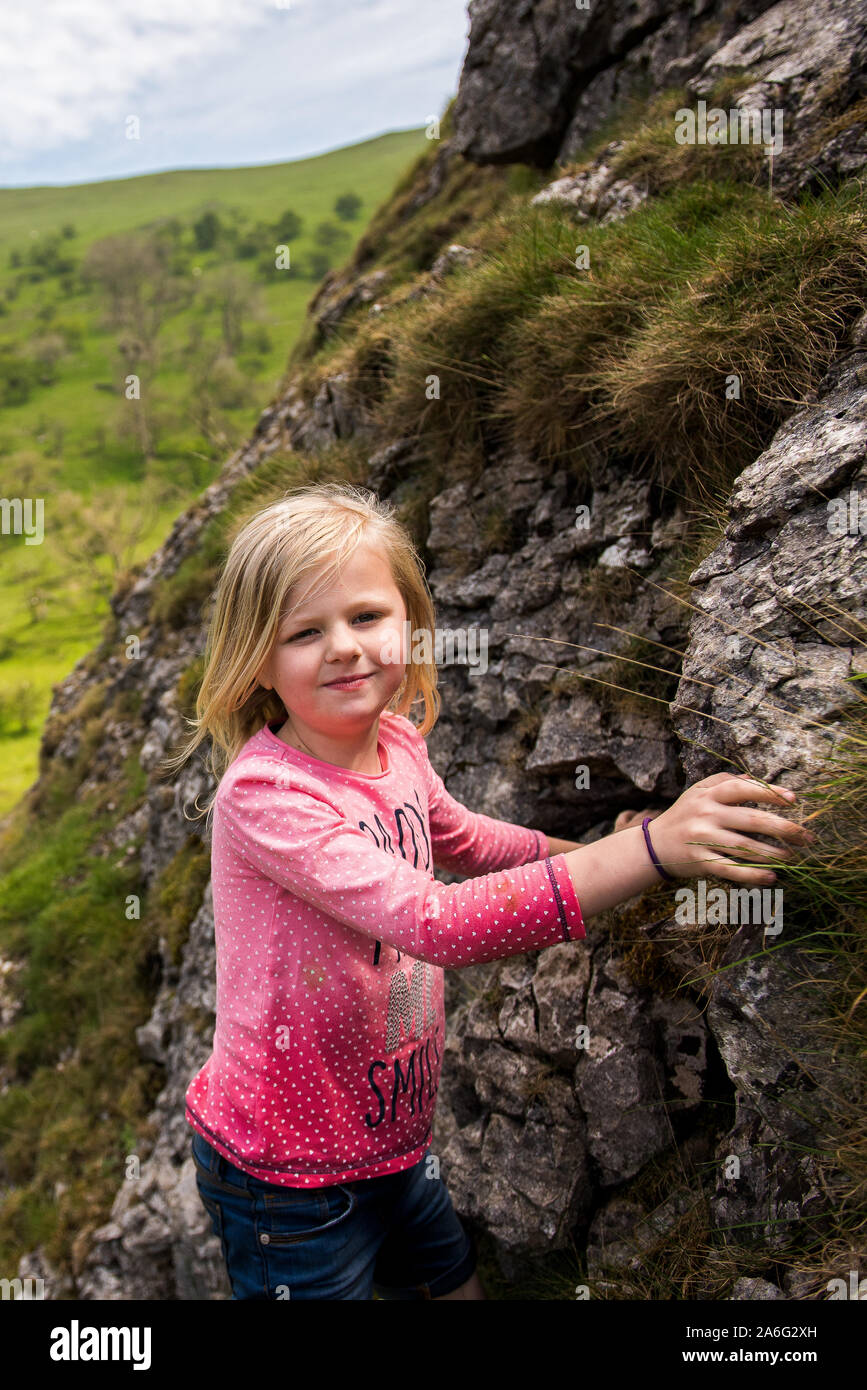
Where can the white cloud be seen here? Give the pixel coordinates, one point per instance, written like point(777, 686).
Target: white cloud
point(205, 78)
point(66, 66)
point(71, 71)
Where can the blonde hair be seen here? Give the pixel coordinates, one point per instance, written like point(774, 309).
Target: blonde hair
point(274, 549)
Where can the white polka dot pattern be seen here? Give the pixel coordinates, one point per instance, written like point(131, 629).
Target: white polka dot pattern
point(331, 936)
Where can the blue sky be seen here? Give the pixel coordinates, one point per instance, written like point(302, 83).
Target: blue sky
point(215, 82)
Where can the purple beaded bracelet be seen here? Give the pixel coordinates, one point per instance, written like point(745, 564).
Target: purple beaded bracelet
point(656, 864)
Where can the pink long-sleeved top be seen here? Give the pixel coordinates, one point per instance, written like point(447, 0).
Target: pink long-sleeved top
point(332, 934)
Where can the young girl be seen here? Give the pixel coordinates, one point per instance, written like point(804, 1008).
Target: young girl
point(312, 1117)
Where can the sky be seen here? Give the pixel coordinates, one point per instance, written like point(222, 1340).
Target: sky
point(215, 83)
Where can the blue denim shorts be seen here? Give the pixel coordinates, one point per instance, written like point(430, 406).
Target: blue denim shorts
point(398, 1234)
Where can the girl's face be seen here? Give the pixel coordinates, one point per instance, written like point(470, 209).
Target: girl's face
point(352, 628)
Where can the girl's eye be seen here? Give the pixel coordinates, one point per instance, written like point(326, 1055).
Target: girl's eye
point(360, 618)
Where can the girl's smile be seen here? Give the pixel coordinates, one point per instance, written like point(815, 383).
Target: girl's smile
point(350, 683)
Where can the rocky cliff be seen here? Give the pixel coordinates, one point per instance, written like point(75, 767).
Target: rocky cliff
point(698, 1114)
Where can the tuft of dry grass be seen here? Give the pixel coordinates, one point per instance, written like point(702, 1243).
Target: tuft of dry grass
point(447, 349)
point(717, 366)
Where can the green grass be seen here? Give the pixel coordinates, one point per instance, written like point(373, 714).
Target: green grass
point(76, 1083)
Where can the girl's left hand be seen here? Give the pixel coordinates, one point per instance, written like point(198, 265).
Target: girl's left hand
point(628, 818)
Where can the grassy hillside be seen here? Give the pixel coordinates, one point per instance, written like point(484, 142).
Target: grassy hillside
point(171, 277)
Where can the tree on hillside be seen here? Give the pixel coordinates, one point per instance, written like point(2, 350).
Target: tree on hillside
point(252, 240)
point(25, 472)
point(347, 207)
point(140, 293)
point(170, 227)
point(288, 227)
point(217, 385)
point(329, 235)
point(18, 376)
point(47, 350)
point(135, 275)
point(136, 417)
point(206, 231)
point(236, 299)
point(109, 526)
point(45, 257)
point(168, 236)
point(169, 294)
point(266, 267)
point(121, 266)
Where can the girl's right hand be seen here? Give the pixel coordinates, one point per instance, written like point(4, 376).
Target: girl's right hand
point(708, 828)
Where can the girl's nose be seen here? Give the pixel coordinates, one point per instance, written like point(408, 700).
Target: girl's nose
point(343, 644)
